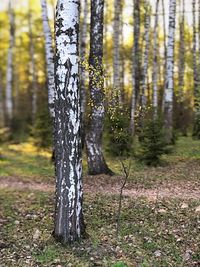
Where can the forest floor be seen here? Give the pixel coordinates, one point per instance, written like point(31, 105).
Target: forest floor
point(160, 219)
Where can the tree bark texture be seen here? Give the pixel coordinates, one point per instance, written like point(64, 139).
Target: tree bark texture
point(49, 56)
point(95, 158)
point(69, 225)
point(169, 84)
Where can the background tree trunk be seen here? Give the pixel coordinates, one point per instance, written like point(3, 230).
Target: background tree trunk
point(9, 76)
point(69, 225)
point(169, 84)
point(116, 51)
point(49, 55)
point(146, 56)
point(155, 62)
point(95, 158)
point(32, 65)
point(136, 65)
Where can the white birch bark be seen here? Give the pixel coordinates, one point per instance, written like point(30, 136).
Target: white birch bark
point(116, 51)
point(169, 82)
point(49, 55)
point(146, 56)
point(155, 62)
point(9, 75)
point(69, 225)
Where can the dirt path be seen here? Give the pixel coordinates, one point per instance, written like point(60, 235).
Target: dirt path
point(182, 190)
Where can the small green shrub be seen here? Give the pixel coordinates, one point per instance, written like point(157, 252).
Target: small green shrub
point(119, 138)
point(42, 128)
point(152, 141)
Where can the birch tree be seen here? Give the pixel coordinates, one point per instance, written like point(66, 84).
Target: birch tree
point(136, 65)
point(155, 62)
point(169, 81)
point(146, 55)
point(69, 225)
point(49, 56)
point(95, 157)
point(195, 51)
point(116, 50)
point(9, 75)
point(181, 66)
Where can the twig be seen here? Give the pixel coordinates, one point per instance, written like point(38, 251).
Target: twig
point(126, 176)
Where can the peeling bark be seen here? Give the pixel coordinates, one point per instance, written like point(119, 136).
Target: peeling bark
point(69, 225)
point(9, 75)
point(95, 158)
point(49, 56)
point(169, 84)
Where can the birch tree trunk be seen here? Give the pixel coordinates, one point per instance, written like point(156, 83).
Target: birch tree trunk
point(9, 75)
point(165, 57)
point(146, 56)
point(155, 63)
point(69, 225)
point(95, 158)
point(136, 65)
point(116, 51)
point(32, 65)
point(49, 56)
point(181, 68)
point(169, 84)
point(195, 69)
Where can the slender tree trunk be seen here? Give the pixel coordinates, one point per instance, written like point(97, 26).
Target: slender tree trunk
point(83, 76)
point(95, 158)
point(136, 65)
point(195, 70)
point(155, 63)
point(9, 76)
point(49, 55)
point(146, 56)
point(169, 84)
point(32, 65)
point(69, 225)
point(116, 51)
point(181, 68)
point(165, 57)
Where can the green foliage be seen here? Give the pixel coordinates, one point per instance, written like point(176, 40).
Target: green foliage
point(152, 141)
point(120, 264)
point(196, 129)
point(42, 129)
point(119, 138)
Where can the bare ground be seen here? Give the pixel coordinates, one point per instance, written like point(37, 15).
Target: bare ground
point(111, 186)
